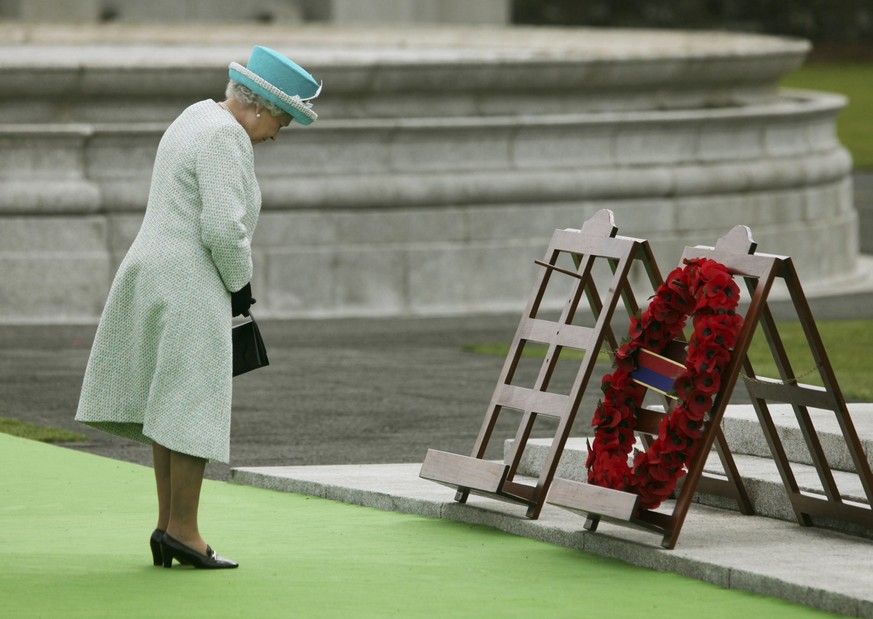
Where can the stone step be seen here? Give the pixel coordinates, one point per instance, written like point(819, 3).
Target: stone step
point(745, 436)
point(753, 461)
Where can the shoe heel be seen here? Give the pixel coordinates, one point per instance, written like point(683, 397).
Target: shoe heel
point(155, 545)
point(157, 555)
point(166, 555)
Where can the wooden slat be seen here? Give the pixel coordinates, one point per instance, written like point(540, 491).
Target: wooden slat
point(554, 267)
point(588, 499)
point(648, 420)
point(501, 496)
point(519, 491)
point(657, 521)
point(463, 471)
point(548, 332)
point(538, 330)
point(802, 395)
point(574, 336)
point(524, 399)
point(732, 474)
point(820, 505)
point(598, 246)
point(758, 266)
point(718, 486)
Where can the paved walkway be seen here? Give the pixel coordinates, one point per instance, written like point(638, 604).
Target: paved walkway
point(355, 391)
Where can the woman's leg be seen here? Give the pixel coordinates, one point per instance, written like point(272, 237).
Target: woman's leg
point(161, 456)
point(186, 479)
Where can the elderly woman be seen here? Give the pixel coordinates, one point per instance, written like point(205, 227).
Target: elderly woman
point(160, 368)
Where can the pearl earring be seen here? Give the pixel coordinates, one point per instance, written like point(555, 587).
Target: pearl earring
point(258, 115)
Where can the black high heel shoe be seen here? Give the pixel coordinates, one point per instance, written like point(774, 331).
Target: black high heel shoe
point(155, 545)
point(174, 549)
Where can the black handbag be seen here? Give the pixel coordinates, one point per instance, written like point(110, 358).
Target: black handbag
point(249, 352)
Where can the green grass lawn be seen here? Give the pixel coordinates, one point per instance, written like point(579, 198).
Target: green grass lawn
point(846, 343)
point(855, 80)
point(38, 433)
point(75, 528)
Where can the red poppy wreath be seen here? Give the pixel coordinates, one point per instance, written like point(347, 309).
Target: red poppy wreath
point(706, 291)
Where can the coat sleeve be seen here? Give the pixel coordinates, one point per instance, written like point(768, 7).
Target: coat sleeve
point(224, 172)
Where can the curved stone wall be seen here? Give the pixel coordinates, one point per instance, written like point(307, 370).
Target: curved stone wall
point(148, 74)
point(440, 166)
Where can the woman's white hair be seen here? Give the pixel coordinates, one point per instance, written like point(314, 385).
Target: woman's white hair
point(244, 95)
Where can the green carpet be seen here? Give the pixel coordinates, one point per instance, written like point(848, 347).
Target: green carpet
point(74, 529)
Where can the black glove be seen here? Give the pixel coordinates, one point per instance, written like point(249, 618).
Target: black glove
point(241, 300)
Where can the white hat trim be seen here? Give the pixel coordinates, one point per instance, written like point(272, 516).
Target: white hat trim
point(293, 100)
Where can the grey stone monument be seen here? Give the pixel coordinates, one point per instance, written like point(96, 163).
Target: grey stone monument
point(442, 161)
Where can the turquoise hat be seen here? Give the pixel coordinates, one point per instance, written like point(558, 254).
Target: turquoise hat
point(279, 81)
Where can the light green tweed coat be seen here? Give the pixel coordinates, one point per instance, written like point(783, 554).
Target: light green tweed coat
point(160, 368)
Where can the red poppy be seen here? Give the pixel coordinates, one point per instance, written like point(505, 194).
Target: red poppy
point(723, 298)
point(626, 440)
point(664, 310)
point(624, 359)
point(653, 337)
point(608, 471)
point(635, 329)
point(618, 381)
point(707, 382)
point(589, 461)
point(710, 270)
point(657, 473)
point(719, 329)
point(728, 318)
point(676, 280)
point(609, 437)
point(606, 416)
point(692, 273)
point(670, 439)
point(690, 428)
point(645, 457)
point(673, 460)
point(698, 404)
point(684, 386)
point(719, 292)
point(632, 396)
point(703, 355)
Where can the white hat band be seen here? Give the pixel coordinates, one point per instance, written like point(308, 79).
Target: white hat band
point(292, 100)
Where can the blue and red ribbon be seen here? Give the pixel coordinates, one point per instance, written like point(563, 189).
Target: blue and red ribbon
point(656, 372)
